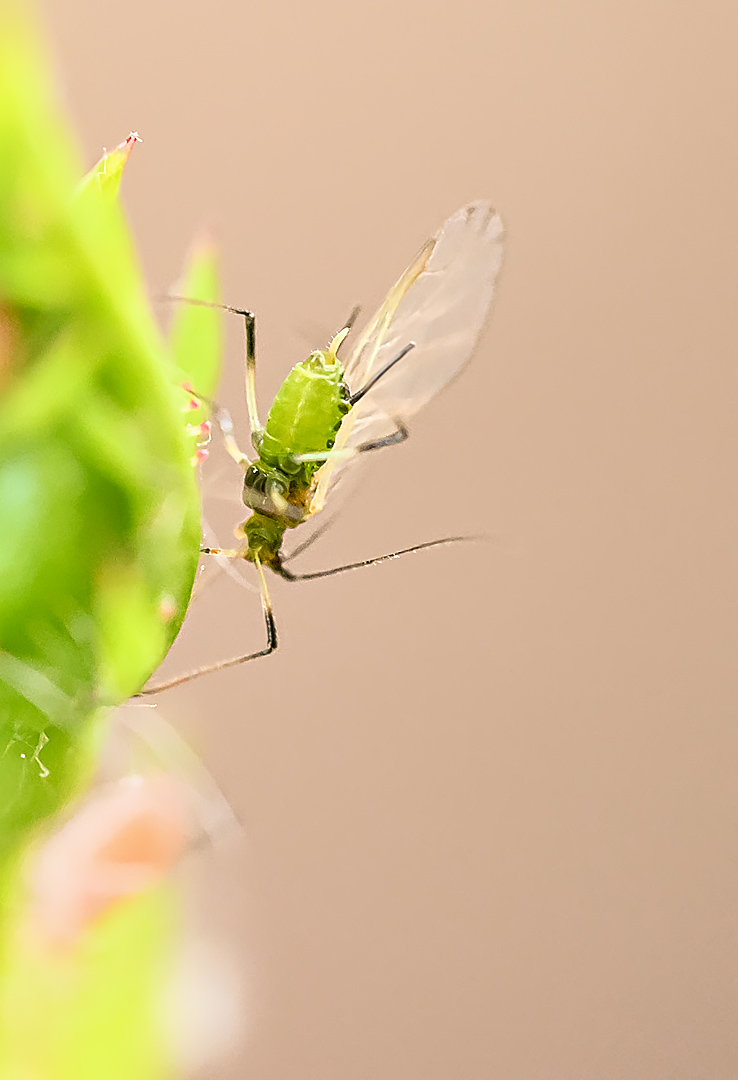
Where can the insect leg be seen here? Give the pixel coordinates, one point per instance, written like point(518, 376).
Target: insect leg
point(383, 371)
point(288, 575)
point(399, 435)
point(271, 641)
point(226, 553)
point(320, 531)
point(222, 418)
point(250, 329)
point(225, 424)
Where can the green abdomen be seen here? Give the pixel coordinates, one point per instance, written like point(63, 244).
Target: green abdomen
point(306, 414)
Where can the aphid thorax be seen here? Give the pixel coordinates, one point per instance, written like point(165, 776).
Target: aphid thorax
point(304, 418)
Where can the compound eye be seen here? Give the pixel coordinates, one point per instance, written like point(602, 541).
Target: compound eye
point(253, 478)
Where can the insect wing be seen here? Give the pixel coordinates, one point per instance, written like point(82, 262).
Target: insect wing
point(440, 302)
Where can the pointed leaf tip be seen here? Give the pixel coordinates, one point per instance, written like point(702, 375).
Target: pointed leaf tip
point(106, 175)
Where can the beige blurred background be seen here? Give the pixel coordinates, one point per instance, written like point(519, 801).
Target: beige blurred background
point(488, 793)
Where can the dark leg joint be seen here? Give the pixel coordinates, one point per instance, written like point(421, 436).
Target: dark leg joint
point(271, 629)
point(399, 435)
point(283, 572)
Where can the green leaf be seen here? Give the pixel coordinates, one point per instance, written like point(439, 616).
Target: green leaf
point(100, 511)
point(196, 335)
point(99, 545)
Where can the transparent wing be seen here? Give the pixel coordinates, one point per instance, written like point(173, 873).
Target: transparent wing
point(440, 302)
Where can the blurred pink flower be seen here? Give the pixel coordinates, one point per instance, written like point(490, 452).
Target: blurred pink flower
point(122, 840)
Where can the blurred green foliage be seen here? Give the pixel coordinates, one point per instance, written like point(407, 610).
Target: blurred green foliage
point(99, 509)
point(196, 334)
point(99, 542)
point(99, 1009)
